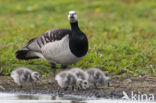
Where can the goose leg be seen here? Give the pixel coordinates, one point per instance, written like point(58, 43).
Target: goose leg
point(95, 86)
point(65, 89)
point(53, 67)
point(73, 88)
point(78, 88)
point(32, 85)
point(59, 89)
point(21, 86)
point(63, 66)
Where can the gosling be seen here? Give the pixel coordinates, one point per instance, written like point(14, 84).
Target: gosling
point(23, 75)
point(96, 76)
point(66, 79)
point(82, 77)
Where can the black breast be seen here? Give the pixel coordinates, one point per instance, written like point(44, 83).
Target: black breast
point(78, 44)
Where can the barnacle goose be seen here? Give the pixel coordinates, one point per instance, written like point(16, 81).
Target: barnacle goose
point(62, 46)
point(24, 75)
point(96, 76)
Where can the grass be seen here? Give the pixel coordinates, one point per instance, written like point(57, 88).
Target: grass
point(121, 33)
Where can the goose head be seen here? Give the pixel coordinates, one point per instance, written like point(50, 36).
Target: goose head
point(72, 16)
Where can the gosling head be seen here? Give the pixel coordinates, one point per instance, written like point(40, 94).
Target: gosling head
point(79, 83)
point(85, 84)
point(35, 76)
point(72, 16)
point(107, 81)
point(82, 84)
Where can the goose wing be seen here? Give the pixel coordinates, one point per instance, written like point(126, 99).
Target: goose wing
point(50, 36)
point(32, 49)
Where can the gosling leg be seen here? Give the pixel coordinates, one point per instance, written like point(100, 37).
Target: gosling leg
point(53, 67)
point(21, 86)
point(95, 86)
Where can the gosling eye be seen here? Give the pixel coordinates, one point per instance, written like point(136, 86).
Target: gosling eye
point(85, 83)
point(36, 74)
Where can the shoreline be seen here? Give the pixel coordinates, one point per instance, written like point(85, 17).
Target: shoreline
point(115, 91)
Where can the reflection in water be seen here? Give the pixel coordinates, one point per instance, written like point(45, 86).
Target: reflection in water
point(37, 98)
point(47, 98)
point(27, 97)
point(53, 98)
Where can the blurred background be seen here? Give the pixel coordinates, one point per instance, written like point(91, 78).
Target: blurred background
point(121, 33)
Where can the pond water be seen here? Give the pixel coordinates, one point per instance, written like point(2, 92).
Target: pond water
point(47, 98)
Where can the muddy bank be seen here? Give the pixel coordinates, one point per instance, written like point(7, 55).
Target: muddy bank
point(49, 86)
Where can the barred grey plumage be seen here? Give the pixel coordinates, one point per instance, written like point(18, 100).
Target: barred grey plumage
point(49, 36)
point(63, 46)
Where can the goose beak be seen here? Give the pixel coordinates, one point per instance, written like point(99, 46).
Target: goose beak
point(72, 16)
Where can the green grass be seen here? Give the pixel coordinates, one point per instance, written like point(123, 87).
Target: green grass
point(121, 33)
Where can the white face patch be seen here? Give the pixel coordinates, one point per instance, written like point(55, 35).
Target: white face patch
point(72, 16)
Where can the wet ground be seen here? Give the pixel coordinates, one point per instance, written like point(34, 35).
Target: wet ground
point(47, 98)
point(115, 91)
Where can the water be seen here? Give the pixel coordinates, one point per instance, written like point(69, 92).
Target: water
point(47, 98)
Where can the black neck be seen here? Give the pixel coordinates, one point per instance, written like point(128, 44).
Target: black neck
point(78, 42)
point(74, 26)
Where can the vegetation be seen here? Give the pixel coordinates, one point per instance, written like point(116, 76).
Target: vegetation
point(121, 33)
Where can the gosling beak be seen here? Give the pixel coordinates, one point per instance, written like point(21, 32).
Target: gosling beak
point(65, 89)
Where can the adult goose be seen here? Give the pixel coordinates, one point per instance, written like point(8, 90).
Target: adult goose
point(62, 46)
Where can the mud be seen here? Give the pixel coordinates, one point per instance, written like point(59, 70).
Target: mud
point(49, 86)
